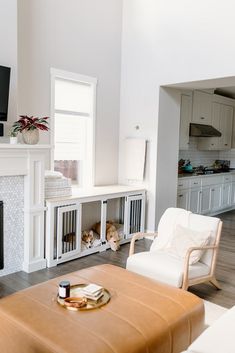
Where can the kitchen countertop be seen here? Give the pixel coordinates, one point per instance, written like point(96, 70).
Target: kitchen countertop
point(188, 175)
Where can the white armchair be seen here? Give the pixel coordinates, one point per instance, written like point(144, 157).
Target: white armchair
point(161, 265)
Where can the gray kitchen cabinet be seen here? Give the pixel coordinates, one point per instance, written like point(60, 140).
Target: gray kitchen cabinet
point(201, 108)
point(185, 118)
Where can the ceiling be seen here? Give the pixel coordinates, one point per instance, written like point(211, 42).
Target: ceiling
point(224, 86)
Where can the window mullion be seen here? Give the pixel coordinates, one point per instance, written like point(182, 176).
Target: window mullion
point(69, 112)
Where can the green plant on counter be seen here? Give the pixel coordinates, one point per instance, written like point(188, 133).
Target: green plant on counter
point(15, 129)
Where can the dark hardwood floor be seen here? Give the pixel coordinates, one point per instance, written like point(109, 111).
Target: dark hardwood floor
point(225, 268)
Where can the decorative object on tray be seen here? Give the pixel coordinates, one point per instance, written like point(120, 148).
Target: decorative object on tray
point(85, 297)
point(56, 185)
point(29, 127)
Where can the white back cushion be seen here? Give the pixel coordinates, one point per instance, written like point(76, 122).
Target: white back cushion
point(172, 217)
point(186, 238)
point(166, 227)
point(205, 223)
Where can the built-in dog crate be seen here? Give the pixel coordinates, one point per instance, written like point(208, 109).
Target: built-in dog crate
point(69, 221)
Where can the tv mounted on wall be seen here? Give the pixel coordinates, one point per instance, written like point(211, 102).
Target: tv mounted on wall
point(4, 91)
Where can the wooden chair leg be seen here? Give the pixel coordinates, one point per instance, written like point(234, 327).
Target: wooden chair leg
point(185, 285)
point(215, 283)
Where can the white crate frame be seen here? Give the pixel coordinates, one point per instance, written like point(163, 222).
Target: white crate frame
point(76, 204)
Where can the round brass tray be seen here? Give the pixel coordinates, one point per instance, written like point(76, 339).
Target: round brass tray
point(91, 304)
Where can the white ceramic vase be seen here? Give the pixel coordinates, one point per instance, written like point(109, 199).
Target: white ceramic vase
point(30, 137)
point(13, 140)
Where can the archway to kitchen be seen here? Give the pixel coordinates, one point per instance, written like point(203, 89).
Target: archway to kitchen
point(221, 92)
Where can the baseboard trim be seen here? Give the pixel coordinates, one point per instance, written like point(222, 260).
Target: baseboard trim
point(34, 266)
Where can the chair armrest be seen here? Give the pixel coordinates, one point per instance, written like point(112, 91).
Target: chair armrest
point(189, 252)
point(139, 236)
point(205, 247)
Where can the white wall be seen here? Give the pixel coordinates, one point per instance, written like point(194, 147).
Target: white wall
point(82, 36)
point(165, 42)
point(8, 52)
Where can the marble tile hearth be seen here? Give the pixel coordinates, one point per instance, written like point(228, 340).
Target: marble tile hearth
point(12, 195)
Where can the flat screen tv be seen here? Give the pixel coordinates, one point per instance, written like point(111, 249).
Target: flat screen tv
point(4, 91)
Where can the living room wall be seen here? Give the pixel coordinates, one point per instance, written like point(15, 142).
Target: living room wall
point(82, 37)
point(8, 52)
point(166, 42)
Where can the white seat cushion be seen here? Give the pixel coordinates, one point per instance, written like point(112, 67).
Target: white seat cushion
point(218, 338)
point(163, 267)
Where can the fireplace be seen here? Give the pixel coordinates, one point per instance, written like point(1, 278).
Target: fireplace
point(11, 224)
point(1, 236)
point(22, 193)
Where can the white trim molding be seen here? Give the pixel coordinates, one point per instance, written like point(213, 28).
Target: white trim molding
point(88, 171)
point(29, 161)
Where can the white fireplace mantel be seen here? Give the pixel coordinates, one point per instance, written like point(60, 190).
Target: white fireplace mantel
point(29, 161)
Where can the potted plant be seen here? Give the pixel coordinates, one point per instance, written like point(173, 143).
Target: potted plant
point(29, 127)
point(13, 133)
point(13, 137)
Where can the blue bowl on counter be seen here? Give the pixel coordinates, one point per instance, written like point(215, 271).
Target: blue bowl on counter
point(188, 168)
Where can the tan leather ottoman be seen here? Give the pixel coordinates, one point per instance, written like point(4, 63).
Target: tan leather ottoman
point(143, 316)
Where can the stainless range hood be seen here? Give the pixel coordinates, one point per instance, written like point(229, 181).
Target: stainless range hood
point(200, 130)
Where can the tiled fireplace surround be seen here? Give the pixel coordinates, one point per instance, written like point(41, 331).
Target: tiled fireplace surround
point(12, 195)
point(22, 191)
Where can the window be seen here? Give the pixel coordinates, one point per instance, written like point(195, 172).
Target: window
point(73, 112)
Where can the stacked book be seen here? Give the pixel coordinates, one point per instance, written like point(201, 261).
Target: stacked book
point(92, 291)
point(56, 185)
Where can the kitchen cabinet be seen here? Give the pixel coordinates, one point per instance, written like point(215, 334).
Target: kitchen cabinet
point(185, 118)
point(194, 200)
point(205, 200)
point(202, 108)
point(226, 123)
point(207, 194)
point(226, 195)
point(212, 143)
point(233, 194)
point(226, 191)
point(216, 192)
point(233, 132)
point(183, 199)
point(222, 120)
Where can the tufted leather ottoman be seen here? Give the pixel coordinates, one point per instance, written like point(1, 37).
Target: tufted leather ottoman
point(142, 316)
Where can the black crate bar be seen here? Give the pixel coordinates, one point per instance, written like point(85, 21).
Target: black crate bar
point(1, 235)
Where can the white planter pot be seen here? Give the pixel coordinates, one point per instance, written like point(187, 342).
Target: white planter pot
point(30, 137)
point(13, 140)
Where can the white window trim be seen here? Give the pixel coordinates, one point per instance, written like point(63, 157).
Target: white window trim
point(67, 75)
